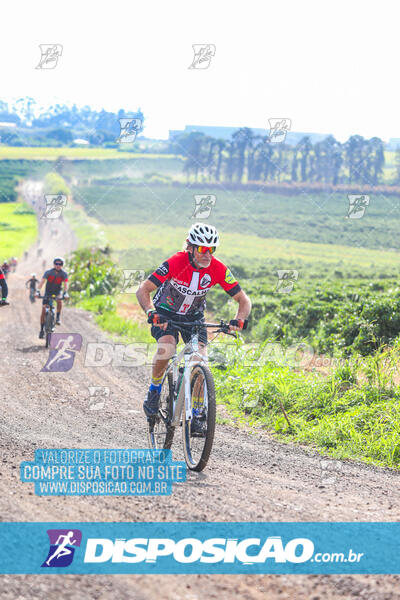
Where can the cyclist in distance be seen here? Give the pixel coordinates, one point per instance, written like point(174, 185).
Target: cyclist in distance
point(54, 278)
point(182, 282)
point(32, 282)
point(13, 263)
point(4, 289)
point(5, 267)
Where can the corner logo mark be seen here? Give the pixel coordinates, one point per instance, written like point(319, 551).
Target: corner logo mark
point(61, 551)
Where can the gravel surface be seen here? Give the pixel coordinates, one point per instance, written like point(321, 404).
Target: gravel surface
point(250, 476)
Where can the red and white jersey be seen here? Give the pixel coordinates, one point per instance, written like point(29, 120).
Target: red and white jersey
point(183, 287)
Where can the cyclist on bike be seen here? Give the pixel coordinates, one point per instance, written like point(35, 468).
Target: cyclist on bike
point(4, 289)
point(54, 279)
point(182, 282)
point(5, 267)
point(14, 263)
point(31, 283)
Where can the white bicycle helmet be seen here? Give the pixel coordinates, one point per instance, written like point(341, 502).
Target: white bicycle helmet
point(33, 274)
point(203, 235)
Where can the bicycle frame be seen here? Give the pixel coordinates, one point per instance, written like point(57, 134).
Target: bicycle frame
point(183, 397)
point(183, 386)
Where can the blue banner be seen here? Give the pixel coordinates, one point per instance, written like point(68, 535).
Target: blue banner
point(209, 548)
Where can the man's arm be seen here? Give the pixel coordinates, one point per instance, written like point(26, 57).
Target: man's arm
point(41, 283)
point(143, 295)
point(244, 308)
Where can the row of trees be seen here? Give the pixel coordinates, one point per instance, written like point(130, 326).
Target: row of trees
point(60, 123)
point(249, 157)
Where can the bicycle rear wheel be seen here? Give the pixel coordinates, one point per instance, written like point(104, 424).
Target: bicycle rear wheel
point(160, 433)
point(197, 443)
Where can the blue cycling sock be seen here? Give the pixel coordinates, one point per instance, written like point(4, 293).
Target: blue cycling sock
point(155, 387)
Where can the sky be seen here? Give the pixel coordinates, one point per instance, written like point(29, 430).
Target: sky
point(330, 66)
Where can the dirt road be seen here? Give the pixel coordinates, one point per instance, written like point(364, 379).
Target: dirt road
point(250, 477)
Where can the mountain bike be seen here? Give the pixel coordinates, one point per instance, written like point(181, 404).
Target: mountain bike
point(50, 317)
point(32, 295)
point(188, 393)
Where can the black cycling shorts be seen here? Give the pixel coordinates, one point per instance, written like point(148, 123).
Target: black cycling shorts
point(175, 330)
point(46, 299)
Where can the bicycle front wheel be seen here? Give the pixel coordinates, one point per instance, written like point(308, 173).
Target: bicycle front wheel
point(160, 432)
point(198, 432)
point(49, 326)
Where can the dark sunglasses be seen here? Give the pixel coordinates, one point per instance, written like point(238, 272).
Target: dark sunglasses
point(203, 249)
point(58, 264)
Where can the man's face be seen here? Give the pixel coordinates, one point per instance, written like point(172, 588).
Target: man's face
point(203, 260)
point(57, 266)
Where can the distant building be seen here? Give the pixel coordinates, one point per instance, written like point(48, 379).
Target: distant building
point(393, 144)
point(78, 141)
point(173, 133)
point(225, 133)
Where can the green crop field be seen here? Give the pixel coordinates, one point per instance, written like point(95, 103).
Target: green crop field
point(50, 153)
point(18, 229)
point(311, 218)
point(161, 240)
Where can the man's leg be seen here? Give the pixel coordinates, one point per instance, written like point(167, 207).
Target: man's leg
point(42, 319)
point(59, 306)
point(166, 346)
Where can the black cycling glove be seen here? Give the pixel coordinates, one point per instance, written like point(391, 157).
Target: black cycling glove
point(239, 323)
point(154, 318)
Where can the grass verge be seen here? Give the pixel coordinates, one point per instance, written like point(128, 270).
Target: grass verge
point(354, 412)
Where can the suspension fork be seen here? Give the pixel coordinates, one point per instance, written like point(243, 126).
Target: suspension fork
point(188, 397)
point(182, 399)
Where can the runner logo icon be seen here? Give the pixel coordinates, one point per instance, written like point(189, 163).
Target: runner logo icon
point(61, 551)
point(62, 351)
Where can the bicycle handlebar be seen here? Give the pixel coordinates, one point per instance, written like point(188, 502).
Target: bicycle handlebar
point(53, 296)
point(222, 326)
